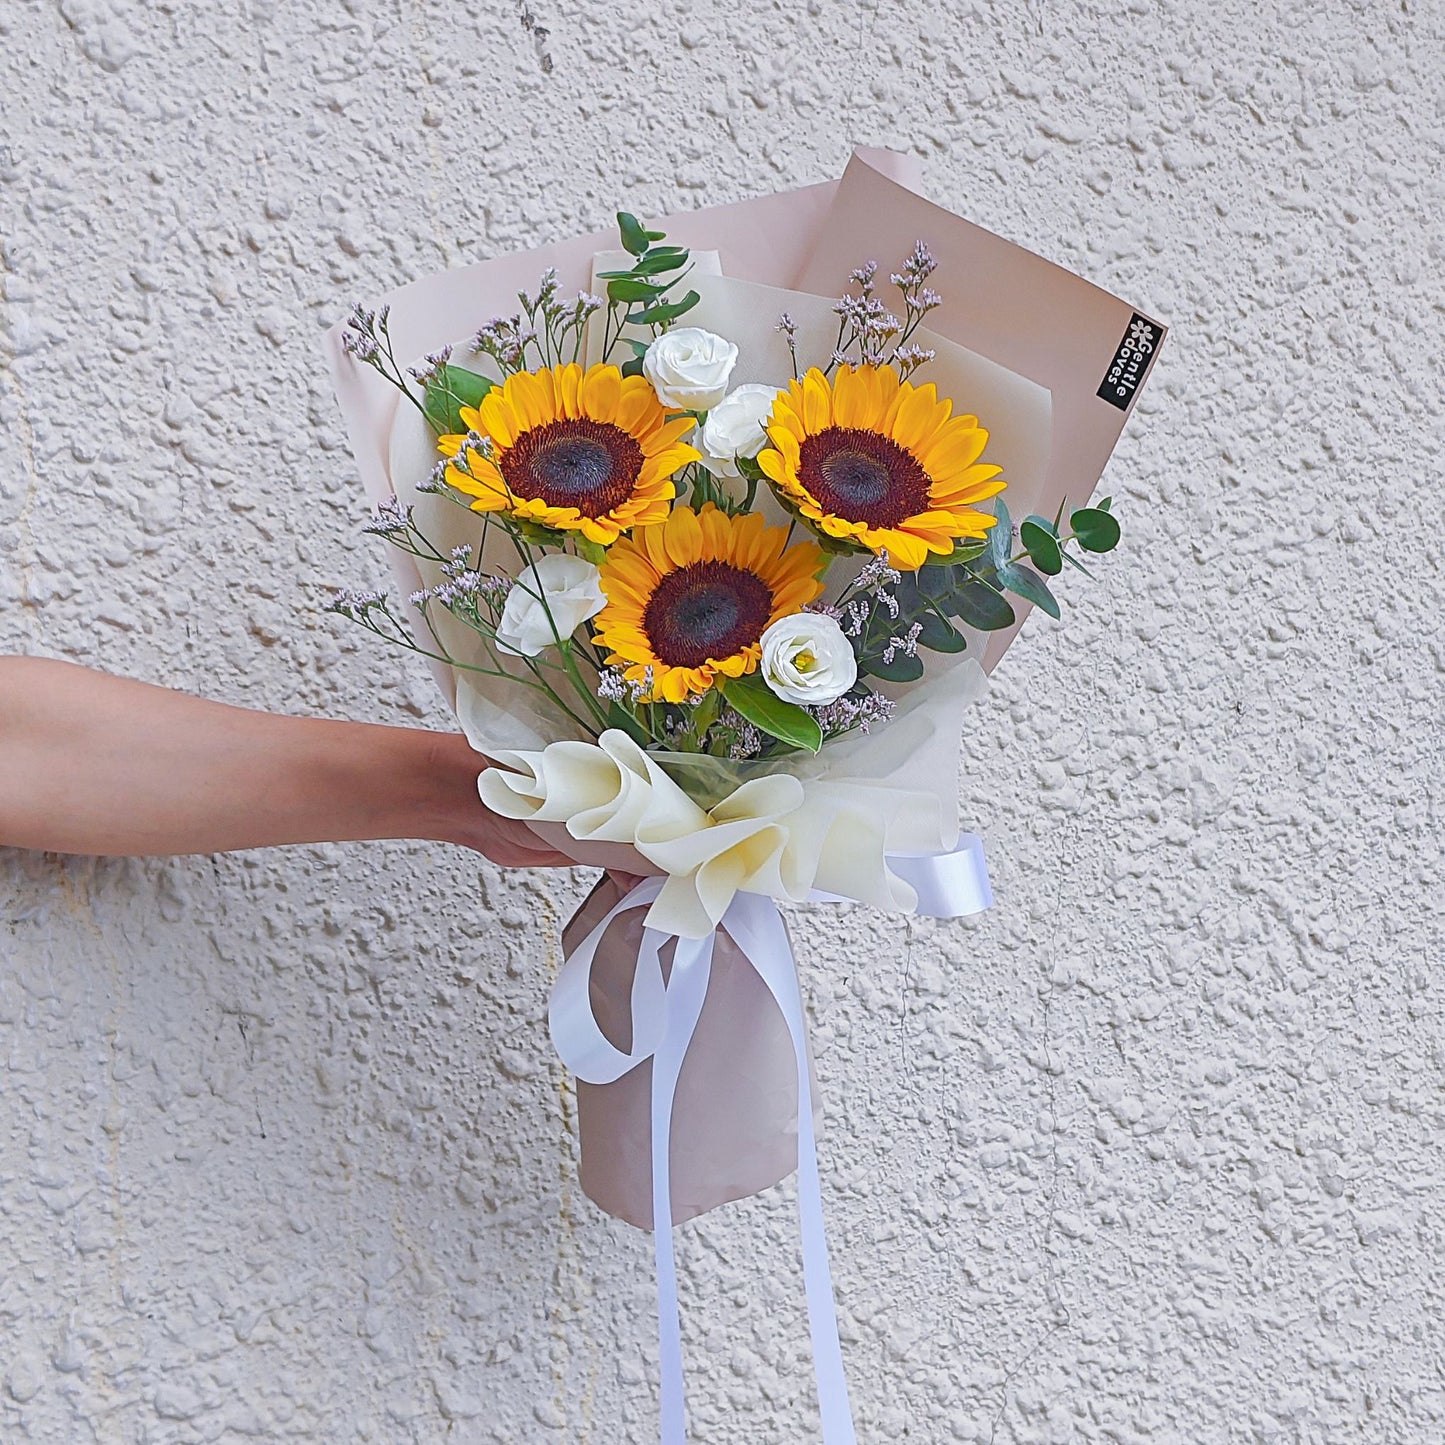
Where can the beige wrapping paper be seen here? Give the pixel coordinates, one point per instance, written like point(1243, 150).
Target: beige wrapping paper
point(740, 1054)
point(735, 1120)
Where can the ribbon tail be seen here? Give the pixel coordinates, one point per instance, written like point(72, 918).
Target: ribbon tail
point(757, 927)
point(686, 991)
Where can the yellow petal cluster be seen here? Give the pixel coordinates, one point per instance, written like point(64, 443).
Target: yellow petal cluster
point(875, 460)
point(689, 599)
point(589, 451)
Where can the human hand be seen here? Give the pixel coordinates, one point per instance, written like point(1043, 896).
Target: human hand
point(466, 821)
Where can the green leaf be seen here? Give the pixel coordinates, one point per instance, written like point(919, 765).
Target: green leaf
point(762, 707)
point(649, 265)
point(1104, 505)
point(1096, 529)
point(1043, 547)
point(656, 262)
point(939, 634)
point(1029, 585)
point(1000, 537)
point(962, 552)
point(632, 367)
point(666, 311)
point(931, 583)
point(634, 238)
point(980, 606)
point(625, 288)
point(450, 389)
point(902, 668)
point(589, 551)
point(619, 717)
point(1074, 562)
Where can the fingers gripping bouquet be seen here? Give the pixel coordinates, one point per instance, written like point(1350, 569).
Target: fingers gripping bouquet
point(709, 567)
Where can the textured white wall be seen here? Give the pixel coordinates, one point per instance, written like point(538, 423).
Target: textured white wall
point(1154, 1152)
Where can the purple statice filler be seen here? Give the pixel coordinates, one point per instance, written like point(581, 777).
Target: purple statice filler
point(909, 358)
point(917, 267)
point(864, 713)
point(432, 367)
point(351, 602)
point(358, 338)
point(789, 328)
point(390, 518)
point(907, 644)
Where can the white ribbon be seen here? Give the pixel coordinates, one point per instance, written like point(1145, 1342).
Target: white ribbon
point(664, 1018)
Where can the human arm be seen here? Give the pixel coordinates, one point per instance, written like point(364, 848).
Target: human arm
point(91, 763)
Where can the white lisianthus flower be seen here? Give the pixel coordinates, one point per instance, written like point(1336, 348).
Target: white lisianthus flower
point(807, 659)
point(689, 368)
point(573, 593)
point(734, 428)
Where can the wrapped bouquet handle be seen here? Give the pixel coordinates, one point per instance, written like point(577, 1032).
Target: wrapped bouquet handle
point(665, 1009)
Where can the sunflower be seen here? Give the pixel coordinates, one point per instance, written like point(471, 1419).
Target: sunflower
point(591, 452)
point(689, 599)
point(878, 461)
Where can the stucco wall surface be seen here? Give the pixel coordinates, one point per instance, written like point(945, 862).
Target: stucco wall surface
point(1152, 1152)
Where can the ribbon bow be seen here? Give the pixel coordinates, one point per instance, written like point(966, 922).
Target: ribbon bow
point(665, 1012)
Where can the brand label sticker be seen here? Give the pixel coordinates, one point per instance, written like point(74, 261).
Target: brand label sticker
point(1131, 362)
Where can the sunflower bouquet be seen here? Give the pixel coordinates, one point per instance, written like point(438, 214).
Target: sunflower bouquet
point(706, 568)
point(711, 562)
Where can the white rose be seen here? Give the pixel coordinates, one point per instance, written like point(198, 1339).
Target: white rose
point(807, 659)
point(734, 428)
point(689, 368)
point(573, 593)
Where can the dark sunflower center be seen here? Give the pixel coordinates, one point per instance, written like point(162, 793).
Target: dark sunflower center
point(590, 465)
point(707, 610)
point(862, 476)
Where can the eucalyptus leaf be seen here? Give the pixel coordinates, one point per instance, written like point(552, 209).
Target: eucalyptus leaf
point(762, 707)
point(632, 367)
point(979, 606)
point(1000, 537)
point(939, 634)
point(931, 582)
point(1096, 529)
point(902, 667)
point(450, 389)
point(1029, 585)
point(1043, 547)
point(634, 238)
point(963, 551)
